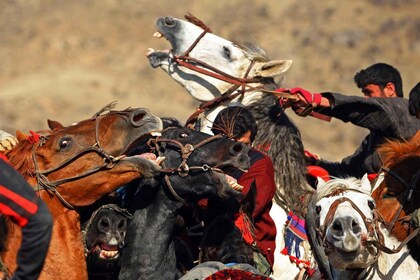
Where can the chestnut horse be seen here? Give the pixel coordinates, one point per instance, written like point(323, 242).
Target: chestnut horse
point(72, 167)
point(397, 194)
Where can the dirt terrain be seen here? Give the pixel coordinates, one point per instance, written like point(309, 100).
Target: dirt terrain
point(64, 60)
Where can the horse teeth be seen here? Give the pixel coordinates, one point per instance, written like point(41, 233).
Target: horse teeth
point(157, 34)
point(159, 160)
point(150, 50)
point(155, 133)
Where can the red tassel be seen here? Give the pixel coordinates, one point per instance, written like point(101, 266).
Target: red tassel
point(34, 137)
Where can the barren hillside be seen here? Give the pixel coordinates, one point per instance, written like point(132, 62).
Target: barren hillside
point(64, 60)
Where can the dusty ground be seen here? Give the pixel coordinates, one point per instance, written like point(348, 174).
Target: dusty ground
point(64, 60)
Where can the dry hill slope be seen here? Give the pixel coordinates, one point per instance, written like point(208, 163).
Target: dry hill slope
point(64, 60)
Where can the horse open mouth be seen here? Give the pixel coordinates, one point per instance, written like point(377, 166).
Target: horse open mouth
point(140, 145)
point(105, 251)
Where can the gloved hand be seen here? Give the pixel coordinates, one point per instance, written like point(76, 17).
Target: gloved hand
point(304, 96)
point(7, 141)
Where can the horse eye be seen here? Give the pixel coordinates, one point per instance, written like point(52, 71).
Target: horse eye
point(227, 52)
point(65, 144)
point(183, 135)
point(371, 204)
point(318, 209)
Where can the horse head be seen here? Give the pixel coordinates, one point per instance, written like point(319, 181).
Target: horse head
point(206, 64)
point(81, 162)
point(190, 155)
point(344, 211)
point(397, 194)
point(104, 235)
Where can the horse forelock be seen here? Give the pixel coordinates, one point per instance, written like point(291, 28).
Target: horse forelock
point(20, 158)
point(338, 186)
point(253, 52)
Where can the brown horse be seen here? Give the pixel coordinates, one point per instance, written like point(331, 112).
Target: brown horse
point(72, 167)
point(398, 194)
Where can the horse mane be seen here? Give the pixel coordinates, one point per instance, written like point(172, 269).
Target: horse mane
point(393, 151)
point(20, 157)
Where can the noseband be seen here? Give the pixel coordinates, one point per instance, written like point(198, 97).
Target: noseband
point(43, 183)
point(183, 169)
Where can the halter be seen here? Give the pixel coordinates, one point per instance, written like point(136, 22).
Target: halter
point(183, 169)
point(43, 183)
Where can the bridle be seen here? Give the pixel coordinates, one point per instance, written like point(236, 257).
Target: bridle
point(43, 183)
point(183, 169)
point(240, 85)
point(375, 236)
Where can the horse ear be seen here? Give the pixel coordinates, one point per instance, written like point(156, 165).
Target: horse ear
point(273, 68)
point(365, 184)
point(320, 183)
point(54, 125)
point(21, 136)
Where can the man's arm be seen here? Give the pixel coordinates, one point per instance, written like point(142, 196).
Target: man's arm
point(262, 172)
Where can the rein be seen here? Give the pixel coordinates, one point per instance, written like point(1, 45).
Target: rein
point(183, 169)
point(51, 186)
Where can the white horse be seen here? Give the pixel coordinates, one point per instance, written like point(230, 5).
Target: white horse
point(353, 238)
point(220, 73)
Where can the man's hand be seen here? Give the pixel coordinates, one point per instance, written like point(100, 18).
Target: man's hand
point(305, 97)
point(7, 141)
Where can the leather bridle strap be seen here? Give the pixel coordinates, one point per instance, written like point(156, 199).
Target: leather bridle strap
point(183, 169)
point(44, 184)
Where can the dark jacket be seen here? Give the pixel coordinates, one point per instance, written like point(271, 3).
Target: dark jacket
point(19, 202)
point(386, 118)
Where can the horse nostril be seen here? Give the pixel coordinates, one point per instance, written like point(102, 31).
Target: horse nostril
point(237, 148)
point(137, 117)
point(337, 226)
point(169, 21)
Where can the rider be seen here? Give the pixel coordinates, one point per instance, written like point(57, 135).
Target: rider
point(239, 124)
point(383, 111)
point(19, 202)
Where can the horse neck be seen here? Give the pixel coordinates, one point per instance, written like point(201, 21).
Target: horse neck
point(150, 253)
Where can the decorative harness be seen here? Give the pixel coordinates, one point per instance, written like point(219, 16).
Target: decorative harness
point(183, 169)
point(109, 161)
